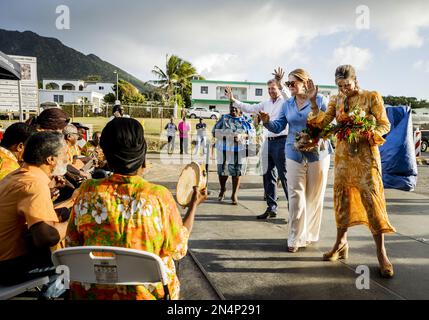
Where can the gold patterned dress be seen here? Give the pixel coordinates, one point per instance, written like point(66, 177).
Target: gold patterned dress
point(358, 187)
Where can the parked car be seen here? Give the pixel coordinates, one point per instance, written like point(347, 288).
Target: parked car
point(200, 112)
point(425, 140)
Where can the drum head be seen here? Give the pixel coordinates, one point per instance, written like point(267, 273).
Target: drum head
point(192, 175)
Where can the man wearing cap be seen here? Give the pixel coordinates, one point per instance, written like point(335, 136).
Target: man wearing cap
point(76, 162)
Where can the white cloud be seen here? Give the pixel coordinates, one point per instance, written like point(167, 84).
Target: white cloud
point(400, 24)
point(206, 63)
point(357, 57)
point(422, 65)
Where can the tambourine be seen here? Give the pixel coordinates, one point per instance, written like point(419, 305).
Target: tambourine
point(192, 175)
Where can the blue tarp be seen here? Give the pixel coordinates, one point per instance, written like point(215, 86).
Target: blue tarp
point(398, 158)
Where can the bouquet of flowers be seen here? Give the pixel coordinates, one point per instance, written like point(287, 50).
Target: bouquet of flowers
point(308, 139)
point(354, 126)
point(351, 127)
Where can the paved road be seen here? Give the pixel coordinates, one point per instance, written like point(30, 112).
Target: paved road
point(247, 259)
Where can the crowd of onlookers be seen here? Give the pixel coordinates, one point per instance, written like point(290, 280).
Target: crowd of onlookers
point(59, 190)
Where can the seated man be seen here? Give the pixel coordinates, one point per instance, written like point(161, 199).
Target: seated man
point(29, 225)
point(71, 136)
point(92, 149)
point(81, 129)
point(12, 147)
point(75, 172)
point(125, 210)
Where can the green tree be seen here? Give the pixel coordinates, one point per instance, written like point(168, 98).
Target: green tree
point(175, 78)
point(128, 94)
point(406, 101)
point(93, 78)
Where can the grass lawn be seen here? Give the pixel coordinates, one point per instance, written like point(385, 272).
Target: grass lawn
point(154, 127)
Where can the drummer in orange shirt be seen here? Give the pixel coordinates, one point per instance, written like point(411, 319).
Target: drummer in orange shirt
point(12, 147)
point(29, 225)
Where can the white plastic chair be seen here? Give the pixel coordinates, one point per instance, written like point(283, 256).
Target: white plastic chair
point(125, 267)
point(8, 292)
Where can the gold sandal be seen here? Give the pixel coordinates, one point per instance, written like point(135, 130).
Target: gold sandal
point(340, 253)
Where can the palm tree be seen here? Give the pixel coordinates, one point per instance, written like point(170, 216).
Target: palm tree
point(176, 76)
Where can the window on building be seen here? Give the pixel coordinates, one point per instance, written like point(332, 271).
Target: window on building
point(204, 90)
point(58, 98)
point(239, 93)
point(258, 92)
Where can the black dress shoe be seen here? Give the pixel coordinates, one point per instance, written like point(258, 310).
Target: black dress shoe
point(267, 214)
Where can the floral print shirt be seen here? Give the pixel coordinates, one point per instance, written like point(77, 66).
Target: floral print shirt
point(8, 162)
point(127, 211)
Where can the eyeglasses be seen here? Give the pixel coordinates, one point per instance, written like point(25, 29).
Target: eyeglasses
point(291, 83)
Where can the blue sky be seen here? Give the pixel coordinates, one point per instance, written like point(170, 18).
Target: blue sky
point(245, 40)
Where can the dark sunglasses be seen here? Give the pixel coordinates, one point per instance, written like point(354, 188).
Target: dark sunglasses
point(291, 83)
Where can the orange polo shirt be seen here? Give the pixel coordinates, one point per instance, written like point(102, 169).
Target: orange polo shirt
point(25, 200)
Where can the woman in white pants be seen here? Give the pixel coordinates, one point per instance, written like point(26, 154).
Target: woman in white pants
point(307, 171)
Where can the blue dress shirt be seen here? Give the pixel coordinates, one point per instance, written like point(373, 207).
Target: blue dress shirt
point(297, 120)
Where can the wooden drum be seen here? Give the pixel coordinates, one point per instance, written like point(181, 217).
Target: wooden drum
point(192, 175)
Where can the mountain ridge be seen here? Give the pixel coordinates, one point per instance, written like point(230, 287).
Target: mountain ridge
point(55, 60)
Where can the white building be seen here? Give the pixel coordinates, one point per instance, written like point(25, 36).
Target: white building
point(74, 92)
point(9, 98)
point(211, 93)
point(101, 87)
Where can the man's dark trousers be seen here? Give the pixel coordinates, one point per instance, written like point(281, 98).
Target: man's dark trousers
point(274, 166)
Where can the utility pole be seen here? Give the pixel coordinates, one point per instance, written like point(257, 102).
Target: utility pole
point(117, 84)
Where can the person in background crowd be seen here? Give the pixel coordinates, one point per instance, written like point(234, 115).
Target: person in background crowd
point(171, 135)
point(12, 147)
point(29, 225)
point(137, 215)
point(231, 133)
point(75, 162)
point(201, 128)
point(118, 112)
point(184, 128)
point(82, 130)
point(71, 136)
point(93, 150)
point(53, 119)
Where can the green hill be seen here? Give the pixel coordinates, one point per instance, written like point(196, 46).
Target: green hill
point(57, 61)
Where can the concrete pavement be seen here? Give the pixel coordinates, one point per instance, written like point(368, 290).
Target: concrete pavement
point(247, 259)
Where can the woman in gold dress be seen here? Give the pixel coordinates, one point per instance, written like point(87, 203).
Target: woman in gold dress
point(358, 187)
